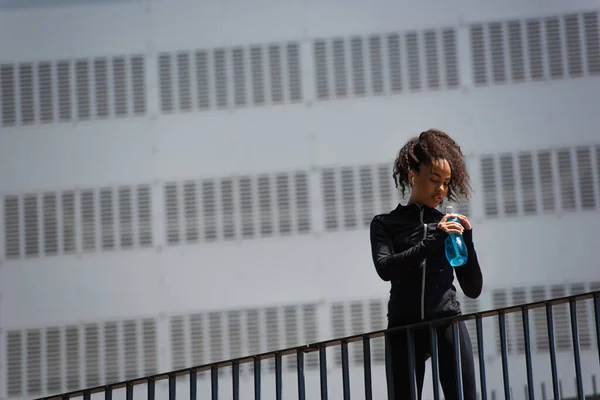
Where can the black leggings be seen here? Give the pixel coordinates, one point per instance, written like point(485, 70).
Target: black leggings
point(397, 370)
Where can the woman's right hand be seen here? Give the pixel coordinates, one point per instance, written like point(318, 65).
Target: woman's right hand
point(450, 226)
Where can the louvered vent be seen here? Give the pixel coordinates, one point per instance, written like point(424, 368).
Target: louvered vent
point(14, 355)
point(566, 180)
point(292, 337)
point(562, 331)
point(73, 343)
point(72, 90)
point(587, 198)
point(556, 47)
point(230, 77)
point(130, 349)
point(377, 320)
point(528, 189)
point(519, 296)
point(243, 208)
point(490, 192)
point(54, 351)
point(272, 335)
point(357, 326)
point(507, 179)
point(92, 355)
point(338, 328)
point(381, 64)
point(538, 293)
point(178, 350)
point(112, 372)
point(515, 51)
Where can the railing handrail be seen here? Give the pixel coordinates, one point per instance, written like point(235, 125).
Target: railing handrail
point(312, 347)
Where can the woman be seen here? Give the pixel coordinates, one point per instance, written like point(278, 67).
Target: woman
point(407, 245)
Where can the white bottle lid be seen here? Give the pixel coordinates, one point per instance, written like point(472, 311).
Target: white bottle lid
point(448, 209)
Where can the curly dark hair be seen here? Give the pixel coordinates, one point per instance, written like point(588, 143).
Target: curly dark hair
point(431, 145)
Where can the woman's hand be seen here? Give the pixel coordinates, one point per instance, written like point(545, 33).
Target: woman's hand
point(464, 221)
point(453, 226)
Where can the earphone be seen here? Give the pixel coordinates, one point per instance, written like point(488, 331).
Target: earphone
point(413, 180)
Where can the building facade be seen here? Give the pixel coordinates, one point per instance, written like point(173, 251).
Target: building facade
point(185, 182)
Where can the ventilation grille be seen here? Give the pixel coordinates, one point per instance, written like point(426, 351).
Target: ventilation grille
point(72, 90)
point(386, 64)
point(534, 49)
point(546, 181)
point(77, 356)
point(72, 222)
point(227, 78)
point(237, 208)
point(202, 338)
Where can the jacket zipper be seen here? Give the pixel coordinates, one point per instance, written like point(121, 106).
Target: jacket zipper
point(424, 270)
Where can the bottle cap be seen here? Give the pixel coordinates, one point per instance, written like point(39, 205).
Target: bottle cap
point(448, 209)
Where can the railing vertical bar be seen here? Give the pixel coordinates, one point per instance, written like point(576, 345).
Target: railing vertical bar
point(323, 371)
point(172, 387)
point(552, 348)
point(457, 360)
point(481, 356)
point(257, 378)
point(193, 385)
point(278, 377)
point(235, 380)
point(86, 395)
point(108, 393)
point(544, 391)
point(503, 349)
point(528, 362)
point(345, 370)
point(300, 370)
point(597, 319)
point(151, 389)
point(594, 388)
point(367, 367)
point(576, 353)
point(129, 392)
point(435, 362)
point(214, 382)
point(410, 342)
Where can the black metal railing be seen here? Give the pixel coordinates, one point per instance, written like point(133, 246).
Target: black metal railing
point(321, 347)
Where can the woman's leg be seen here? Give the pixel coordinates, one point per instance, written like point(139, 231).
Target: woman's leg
point(448, 365)
point(396, 365)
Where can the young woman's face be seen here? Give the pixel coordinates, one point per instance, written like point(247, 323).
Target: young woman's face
point(430, 184)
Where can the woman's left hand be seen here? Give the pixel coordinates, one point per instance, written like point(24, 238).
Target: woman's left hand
point(464, 221)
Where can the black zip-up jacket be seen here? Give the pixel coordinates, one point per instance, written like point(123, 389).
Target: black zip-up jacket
point(408, 251)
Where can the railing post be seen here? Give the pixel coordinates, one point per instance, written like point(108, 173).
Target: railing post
point(193, 385)
point(410, 342)
point(481, 356)
point(457, 359)
point(528, 363)
point(323, 371)
point(129, 392)
point(300, 371)
point(214, 382)
point(367, 367)
point(172, 386)
point(552, 348)
point(257, 378)
point(345, 370)
point(107, 393)
point(235, 380)
point(435, 363)
point(504, 351)
point(576, 354)
point(597, 319)
point(278, 377)
point(151, 388)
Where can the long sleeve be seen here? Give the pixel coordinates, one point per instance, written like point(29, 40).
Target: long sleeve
point(392, 266)
point(469, 275)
